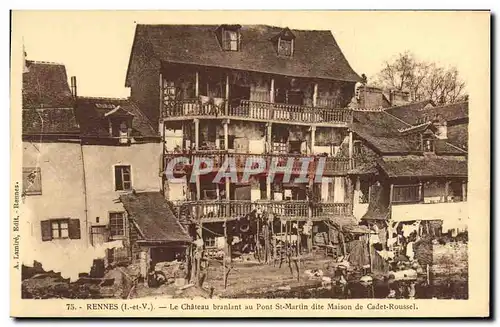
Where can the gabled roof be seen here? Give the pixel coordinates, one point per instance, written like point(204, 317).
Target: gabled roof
point(154, 218)
point(45, 85)
point(47, 100)
point(424, 166)
point(410, 112)
point(91, 114)
point(316, 53)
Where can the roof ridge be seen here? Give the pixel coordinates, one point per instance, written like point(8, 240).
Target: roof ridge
point(396, 118)
point(45, 62)
point(456, 147)
point(407, 104)
point(103, 98)
point(412, 127)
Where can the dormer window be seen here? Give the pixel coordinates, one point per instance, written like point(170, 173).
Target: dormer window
point(285, 42)
point(230, 40)
point(120, 124)
point(428, 143)
point(285, 47)
point(229, 37)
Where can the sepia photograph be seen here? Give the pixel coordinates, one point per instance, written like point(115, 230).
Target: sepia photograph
point(168, 158)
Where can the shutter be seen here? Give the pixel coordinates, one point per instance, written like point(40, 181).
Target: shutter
point(46, 230)
point(74, 229)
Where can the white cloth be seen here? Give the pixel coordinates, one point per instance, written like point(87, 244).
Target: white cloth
point(409, 251)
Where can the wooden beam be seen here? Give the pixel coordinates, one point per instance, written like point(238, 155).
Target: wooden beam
point(161, 99)
point(350, 149)
point(391, 193)
point(197, 84)
point(271, 95)
point(464, 191)
point(313, 138)
point(315, 95)
point(197, 133)
point(226, 107)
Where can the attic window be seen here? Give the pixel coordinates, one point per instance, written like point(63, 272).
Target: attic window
point(230, 39)
point(285, 42)
point(285, 47)
point(428, 143)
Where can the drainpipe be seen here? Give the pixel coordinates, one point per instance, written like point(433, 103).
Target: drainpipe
point(84, 179)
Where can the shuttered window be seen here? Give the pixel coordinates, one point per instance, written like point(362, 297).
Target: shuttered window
point(60, 229)
point(123, 178)
point(116, 224)
point(32, 181)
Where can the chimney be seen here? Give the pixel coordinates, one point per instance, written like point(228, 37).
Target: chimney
point(397, 97)
point(73, 87)
point(441, 127)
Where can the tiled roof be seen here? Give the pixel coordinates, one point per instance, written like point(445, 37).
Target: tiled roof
point(390, 135)
point(382, 131)
point(316, 53)
point(424, 166)
point(47, 100)
point(152, 214)
point(414, 112)
point(91, 115)
point(45, 85)
point(49, 121)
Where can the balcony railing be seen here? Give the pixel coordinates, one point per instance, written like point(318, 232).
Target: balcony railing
point(257, 110)
point(407, 193)
point(325, 210)
point(219, 210)
point(333, 165)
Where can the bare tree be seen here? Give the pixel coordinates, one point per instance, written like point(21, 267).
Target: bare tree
point(424, 80)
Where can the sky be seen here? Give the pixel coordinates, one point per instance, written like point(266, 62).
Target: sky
point(95, 45)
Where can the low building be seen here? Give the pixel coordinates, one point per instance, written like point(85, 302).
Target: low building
point(53, 188)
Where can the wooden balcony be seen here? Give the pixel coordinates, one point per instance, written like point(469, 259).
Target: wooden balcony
point(333, 165)
point(257, 111)
point(221, 210)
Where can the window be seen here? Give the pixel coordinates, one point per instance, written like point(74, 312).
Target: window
point(428, 143)
point(210, 242)
point(32, 181)
point(123, 178)
point(119, 128)
point(285, 47)
point(356, 148)
point(116, 224)
point(60, 229)
point(230, 40)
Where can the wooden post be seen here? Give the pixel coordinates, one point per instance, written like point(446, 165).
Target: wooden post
point(273, 239)
point(269, 140)
point(420, 187)
point(226, 108)
point(197, 84)
point(161, 101)
point(350, 149)
point(391, 193)
point(271, 99)
point(370, 252)
point(257, 241)
point(225, 253)
point(313, 138)
point(226, 134)
point(271, 91)
point(315, 95)
point(196, 134)
point(446, 190)
point(464, 191)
